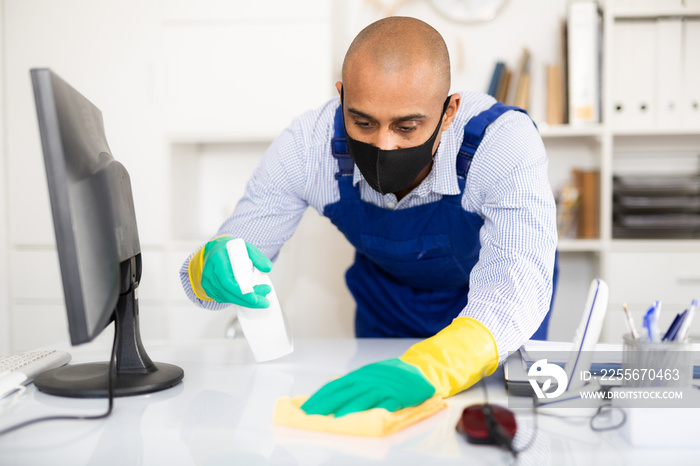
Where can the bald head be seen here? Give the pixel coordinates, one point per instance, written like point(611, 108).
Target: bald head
point(398, 45)
point(396, 77)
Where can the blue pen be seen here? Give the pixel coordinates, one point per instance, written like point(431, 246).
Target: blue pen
point(651, 322)
point(646, 322)
point(672, 331)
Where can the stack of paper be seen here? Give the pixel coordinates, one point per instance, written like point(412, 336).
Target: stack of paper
point(656, 206)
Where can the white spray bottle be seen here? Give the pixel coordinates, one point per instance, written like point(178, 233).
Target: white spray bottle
point(265, 329)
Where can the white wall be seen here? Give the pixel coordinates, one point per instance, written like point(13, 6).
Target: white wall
point(4, 276)
point(139, 62)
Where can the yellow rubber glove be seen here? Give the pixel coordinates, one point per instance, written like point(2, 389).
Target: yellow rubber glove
point(456, 357)
point(445, 364)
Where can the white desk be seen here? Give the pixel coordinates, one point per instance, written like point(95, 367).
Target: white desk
point(221, 415)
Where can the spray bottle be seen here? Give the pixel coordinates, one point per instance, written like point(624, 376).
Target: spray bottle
point(265, 329)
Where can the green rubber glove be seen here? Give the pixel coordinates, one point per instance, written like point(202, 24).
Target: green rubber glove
point(391, 384)
point(212, 278)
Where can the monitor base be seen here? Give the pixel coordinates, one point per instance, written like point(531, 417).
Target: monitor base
point(91, 380)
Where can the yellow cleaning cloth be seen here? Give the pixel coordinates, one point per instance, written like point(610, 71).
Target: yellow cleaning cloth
point(376, 422)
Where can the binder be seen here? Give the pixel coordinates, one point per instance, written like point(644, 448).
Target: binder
point(564, 34)
point(522, 88)
point(669, 70)
point(690, 98)
point(496, 78)
point(587, 183)
point(634, 75)
point(583, 24)
point(555, 95)
point(503, 85)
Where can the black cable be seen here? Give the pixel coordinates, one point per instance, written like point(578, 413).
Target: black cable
point(592, 419)
point(610, 408)
point(110, 394)
point(498, 432)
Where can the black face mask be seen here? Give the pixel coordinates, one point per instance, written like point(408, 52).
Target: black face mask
point(388, 171)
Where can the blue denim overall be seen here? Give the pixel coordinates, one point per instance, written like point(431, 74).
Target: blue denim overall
point(411, 272)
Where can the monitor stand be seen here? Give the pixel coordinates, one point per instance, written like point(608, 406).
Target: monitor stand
point(134, 374)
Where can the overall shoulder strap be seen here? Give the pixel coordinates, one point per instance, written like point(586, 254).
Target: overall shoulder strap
point(339, 146)
point(474, 132)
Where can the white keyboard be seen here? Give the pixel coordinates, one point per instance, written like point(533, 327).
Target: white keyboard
point(21, 368)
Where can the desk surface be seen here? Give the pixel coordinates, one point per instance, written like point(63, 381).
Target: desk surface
point(221, 415)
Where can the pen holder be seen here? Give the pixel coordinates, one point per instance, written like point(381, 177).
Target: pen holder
point(656, 364)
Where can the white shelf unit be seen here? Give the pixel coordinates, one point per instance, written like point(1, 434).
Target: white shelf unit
point(638, 271)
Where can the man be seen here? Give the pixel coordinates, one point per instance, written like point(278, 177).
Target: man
point(457, 249)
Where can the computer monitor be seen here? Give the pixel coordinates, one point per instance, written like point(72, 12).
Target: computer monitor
point(98, 246)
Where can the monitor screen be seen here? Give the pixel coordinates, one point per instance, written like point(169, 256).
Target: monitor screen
point(97, 242)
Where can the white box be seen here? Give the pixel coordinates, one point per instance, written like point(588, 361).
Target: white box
point(661, 427)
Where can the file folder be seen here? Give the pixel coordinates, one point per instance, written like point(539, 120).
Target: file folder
point(583, 30)
point(634, 60)
point(670, 72)
point(691, 73)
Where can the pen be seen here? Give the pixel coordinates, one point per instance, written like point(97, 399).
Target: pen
point(651, 322)
point(646, 322)
point(685, 325)
point(672, 331)
point(655, 332)
point(630, 322)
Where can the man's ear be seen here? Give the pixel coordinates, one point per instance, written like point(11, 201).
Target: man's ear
point(451, 110)
point(339, 86)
